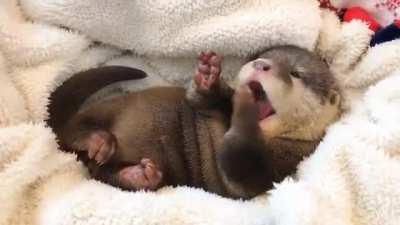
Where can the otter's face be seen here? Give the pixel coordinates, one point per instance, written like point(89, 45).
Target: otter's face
point(294, 90)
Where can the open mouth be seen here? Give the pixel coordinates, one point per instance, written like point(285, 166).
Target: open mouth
point(265, 108)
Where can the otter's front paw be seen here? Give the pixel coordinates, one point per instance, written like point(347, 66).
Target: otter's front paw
point(244, 104)
point(243, 97)
point(100, 146)
point(144, 176)
point(208, 72)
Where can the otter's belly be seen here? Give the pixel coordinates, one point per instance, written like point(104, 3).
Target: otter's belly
point(150, 127)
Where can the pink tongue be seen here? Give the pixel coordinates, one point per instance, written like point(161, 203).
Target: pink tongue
point(264, 109)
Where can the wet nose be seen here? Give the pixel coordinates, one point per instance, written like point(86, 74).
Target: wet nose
point(261, 65)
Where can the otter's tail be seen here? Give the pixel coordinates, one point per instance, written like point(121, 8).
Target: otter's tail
point(67, 98)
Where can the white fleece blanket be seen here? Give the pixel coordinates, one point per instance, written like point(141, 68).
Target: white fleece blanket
point(351, 179)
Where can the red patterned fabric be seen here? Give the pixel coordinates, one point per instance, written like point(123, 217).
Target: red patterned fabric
point(357, 13)
point(383, 11)
point(391, 6)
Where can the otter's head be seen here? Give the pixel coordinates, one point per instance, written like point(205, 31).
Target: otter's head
point(296, 94)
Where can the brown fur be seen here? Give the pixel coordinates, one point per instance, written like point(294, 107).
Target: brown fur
point(201, 140)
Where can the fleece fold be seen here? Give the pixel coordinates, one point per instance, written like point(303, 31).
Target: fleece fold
point(351, 178)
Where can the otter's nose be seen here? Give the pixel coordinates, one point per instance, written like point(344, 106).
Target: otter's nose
point(261, 65)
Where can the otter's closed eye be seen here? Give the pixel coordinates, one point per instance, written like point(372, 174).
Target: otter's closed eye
point(295, 74)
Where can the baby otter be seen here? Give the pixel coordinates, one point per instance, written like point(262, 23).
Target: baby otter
point(233, 142)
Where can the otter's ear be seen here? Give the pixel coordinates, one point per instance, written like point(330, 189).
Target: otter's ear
point(334, 97)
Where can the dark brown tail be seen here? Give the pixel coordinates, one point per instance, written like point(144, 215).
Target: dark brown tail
point(67, 98)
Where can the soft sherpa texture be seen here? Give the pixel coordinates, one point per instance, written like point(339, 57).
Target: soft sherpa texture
point(184, 28)
point(351, 179)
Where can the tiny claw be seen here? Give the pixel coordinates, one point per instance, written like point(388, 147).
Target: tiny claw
point(216, 60)
point(215, 70)
point(213, 80)
point(204, 68)
point(145, 161)
point(91, 154)
point(198, 78)
point(206, 56)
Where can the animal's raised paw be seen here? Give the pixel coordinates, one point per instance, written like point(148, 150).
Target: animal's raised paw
point(244, 104)
point(208, 72)
point(143, 176)
point(244, 96)
point(100, 146)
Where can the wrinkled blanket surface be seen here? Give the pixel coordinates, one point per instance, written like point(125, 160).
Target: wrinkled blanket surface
point(351, 179)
